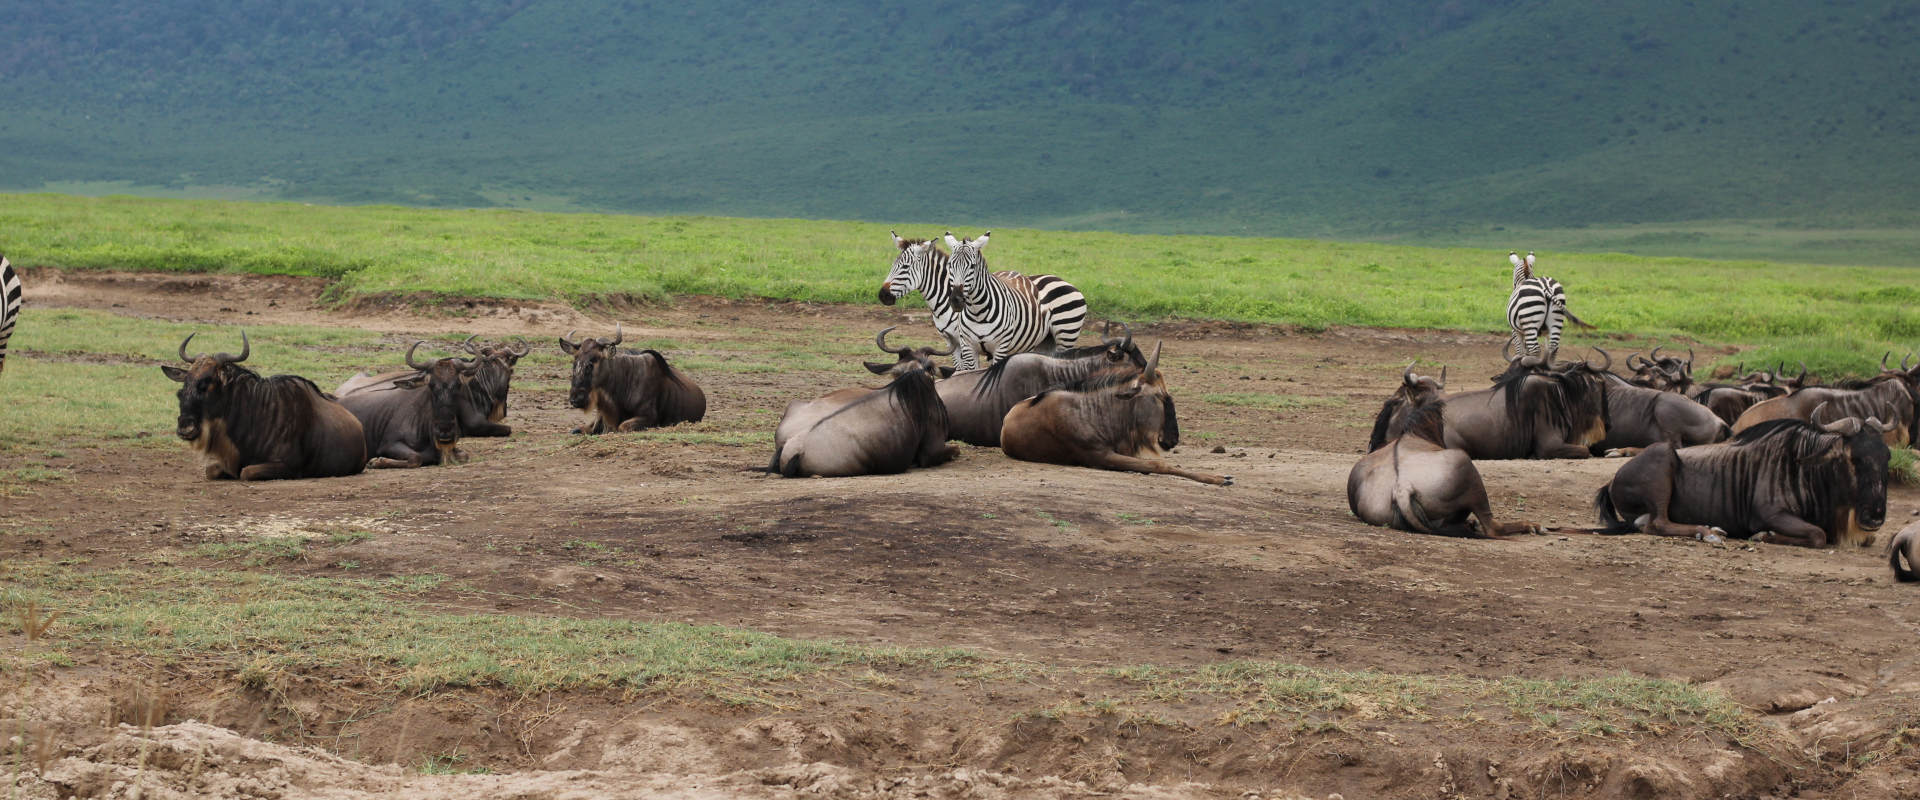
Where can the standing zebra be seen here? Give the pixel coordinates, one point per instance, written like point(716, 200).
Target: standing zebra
point(1009, 313)
point(9, 306)
point(922, 267)
point(1536, 308)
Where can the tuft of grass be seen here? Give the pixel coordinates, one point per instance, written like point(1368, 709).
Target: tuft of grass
point(1271, 402)
point(1902, 469)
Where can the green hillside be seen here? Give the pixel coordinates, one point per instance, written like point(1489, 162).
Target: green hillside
point(1457, 121)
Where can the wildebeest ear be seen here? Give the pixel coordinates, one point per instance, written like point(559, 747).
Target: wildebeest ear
point(567, 347)
point(1132, 390)
point(877, 369)
point(410, 383)
point(177, 374)
point(945, 371)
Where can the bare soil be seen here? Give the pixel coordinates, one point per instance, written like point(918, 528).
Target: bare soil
point(1051, 564)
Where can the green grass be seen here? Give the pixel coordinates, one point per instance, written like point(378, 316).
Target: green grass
point(1902, 468)
point(1833, 316)
point(1271, 402)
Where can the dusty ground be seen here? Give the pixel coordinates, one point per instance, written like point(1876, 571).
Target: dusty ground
point(1061, 565)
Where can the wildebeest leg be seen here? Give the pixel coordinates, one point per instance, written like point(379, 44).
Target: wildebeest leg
point(215, 472)
point(598, 427)
point(1554, 448)
point(1786, 528)
point(1624, 452)
point(1475, 500)
point(1655, 492)
point(638, 423)
point(396, 456)
point(266, 471)
point(1115, 461)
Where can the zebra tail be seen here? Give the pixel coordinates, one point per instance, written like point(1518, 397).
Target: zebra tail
point(1576, 320)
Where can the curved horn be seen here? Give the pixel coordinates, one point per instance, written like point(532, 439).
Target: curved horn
point(1815, 416)
point(183, 347)
point(1631, 357)
point(1153, 363)
point(1604, 354)
point(1689, 358)
point(569, 337)
point(1883, 360)
point(1406, 375)
point(880, 341)
point(618, 335)
point(246, 348)
point(468, 345)
point(1128, 342)
point(952, 345)
point(1803, 372)
point(410, 361)
point(1903, 361)
point(525, 347)
point(1655, 355)
point(1443, 376)
point(1505, 348)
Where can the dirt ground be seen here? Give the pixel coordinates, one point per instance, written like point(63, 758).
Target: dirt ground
point(1035, 562)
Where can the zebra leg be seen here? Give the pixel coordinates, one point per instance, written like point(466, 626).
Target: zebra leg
point(1554, 323)
point(1532, 338)
point(963, 358)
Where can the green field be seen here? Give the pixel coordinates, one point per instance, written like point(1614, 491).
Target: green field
point(1837, 319)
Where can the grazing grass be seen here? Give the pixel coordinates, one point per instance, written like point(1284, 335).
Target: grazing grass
point(396, 634)
point(1902, 468)
point(1826, 313)
point(1271, 402)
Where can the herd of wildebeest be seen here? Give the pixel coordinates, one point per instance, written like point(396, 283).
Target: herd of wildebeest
point(1762, 456)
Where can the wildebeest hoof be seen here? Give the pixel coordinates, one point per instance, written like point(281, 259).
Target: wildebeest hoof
point(1617, 453)
point(1709, 538)
point(578, 430)
point(1762, 537)
point(1226, 480)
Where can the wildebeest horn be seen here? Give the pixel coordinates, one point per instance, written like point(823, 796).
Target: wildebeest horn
point(952, 345)
point(525, 347)
point(183, 347)
point(1443, 376)
point(1803, 372)
point(1407, 374)
point(1655, 355)
point(1883, 426)
point(410, 363)
point(468, 345)
point(1153, 363)
point(881, 341)
point(1816, 411)
point(1607, 356)
point(1505, 347)
point(1883, 360)
point(246, 348)
point(1128, 342)
point(617, 336)
point(1631, 357)
point(1903, 361)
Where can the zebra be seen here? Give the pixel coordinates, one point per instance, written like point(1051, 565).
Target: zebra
point(922, 267)
point(1008, 313)
point(10, 301)
point(1536, 307)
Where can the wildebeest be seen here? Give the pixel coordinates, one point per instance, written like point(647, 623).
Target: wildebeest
point(257, 429)
point(1120, 426)
point(1638, 416)
point(1893, 396)
point(907, 356)
point(1664, 373)
point(1529, 412)
point(1903, 553)
point(487, 392)
point(1415, 483)
point(866, 431)
point(628, 391)
point(1729, 400)
point(1802, 483)
point(978, 400)
point(414, 420)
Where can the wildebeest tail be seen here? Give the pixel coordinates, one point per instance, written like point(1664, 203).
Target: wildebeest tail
point(790, 469)
point(1609, 516)
point(1900, 556)
point(1406, 505)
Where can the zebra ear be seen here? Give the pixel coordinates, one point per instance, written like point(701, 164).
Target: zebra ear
point(1515, 258)
point(1529, 260)
point(897, 241)
point(952, 242)
point(982, 241)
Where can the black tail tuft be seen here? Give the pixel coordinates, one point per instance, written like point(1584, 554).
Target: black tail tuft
point(1609, 516)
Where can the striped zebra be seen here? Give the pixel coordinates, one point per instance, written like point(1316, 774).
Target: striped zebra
point(922, 267)
point(10, 301)
point(1536, 309)
point(1008, 313)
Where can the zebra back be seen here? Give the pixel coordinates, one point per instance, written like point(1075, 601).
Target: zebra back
point(11, 299)
point(1012, 313)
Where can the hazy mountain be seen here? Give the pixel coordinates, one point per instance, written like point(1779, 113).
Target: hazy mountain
point(1209, 116)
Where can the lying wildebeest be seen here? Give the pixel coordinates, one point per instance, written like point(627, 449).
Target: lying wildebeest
point(414, 420)
point(1801, 483)
point(1893, 396)
point(488, 389)
point(481, 398)
point(1903, 553)
point(978, 400)
point(1638, 416)
point(923, 356)
point(629, 391)
point(1729, 400)
point(867, 431)
point(1123, 425)
point(257, 429)
point(1664, 373)
point(1415, 483)
point(1529, 412)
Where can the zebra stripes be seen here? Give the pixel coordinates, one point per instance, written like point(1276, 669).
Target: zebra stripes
point(1009, 313)
point(1537, 309)
point(922, 267)
point(10, 301)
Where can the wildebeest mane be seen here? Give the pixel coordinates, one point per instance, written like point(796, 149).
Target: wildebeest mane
point(913, 393)
point(271, 410)
point(1557, 402)
point(1803, 454)
point(1428, 421)
point(1096, 375)
point(1384, 421)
